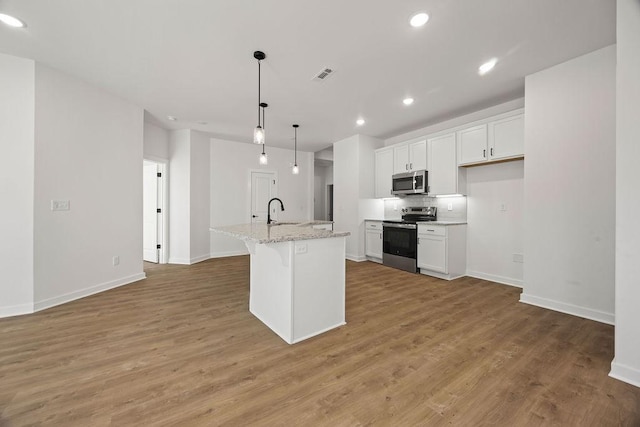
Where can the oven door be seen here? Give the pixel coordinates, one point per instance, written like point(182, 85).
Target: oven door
point(400, 246)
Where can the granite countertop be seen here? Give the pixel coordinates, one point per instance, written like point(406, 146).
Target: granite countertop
point(279, 232)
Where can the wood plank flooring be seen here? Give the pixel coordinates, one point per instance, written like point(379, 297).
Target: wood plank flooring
point(181, 348)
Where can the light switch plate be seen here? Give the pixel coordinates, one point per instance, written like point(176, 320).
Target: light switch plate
point(60, 205)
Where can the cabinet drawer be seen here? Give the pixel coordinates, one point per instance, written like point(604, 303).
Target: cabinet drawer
point(373, 225)
point(432, 230)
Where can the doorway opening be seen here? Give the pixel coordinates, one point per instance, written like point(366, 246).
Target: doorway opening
point(154, 212)
point(263, 187)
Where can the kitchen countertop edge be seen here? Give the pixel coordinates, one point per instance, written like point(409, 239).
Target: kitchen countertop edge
point(262, 233)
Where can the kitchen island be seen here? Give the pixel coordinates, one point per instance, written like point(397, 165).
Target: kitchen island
point(297, 277)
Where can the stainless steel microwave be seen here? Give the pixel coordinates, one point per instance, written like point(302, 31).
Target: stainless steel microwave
point(410, 183)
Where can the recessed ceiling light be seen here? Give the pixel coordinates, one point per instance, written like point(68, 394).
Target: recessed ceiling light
point(12, 21)
point(407, 101)
point(419, 19)
point(360, 122)
point(487, 66)
point(172, 118)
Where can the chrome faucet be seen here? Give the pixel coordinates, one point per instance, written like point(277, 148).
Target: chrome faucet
point(269, 221)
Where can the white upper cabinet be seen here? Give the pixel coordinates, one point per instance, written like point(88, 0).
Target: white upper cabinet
point(384, 171)
point(498, 139)
point(507, 136)
point(410, 157)
point(442, 165)
point(472, 145)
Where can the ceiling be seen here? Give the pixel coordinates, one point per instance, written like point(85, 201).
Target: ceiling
point(193, 59)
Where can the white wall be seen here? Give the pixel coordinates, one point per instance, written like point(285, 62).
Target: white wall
point(156, 143)
point(626, 365)
point(231, 166)
point(353, 202)
point(88, 150)
point(495, 235)
point(180, 196)
point(569, 213)
point(199, 208)
point(17, 113)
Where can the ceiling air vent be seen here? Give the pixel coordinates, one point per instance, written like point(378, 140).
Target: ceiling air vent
point(323, 74)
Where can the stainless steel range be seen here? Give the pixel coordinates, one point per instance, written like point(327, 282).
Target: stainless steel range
point(400, 238)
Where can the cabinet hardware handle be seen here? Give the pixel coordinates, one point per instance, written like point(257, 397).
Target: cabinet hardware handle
point(491, 151)
point(484, 153)
point(418, 240)
point(430, 230)
point(406, 166)
point(410, 166)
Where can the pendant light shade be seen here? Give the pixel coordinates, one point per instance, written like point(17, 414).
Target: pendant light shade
point(263, 157)
point(295, 170)
point(258, 132)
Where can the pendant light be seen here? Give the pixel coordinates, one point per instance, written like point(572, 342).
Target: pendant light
point(258, 133)
point(263, 157)
point(294, 169)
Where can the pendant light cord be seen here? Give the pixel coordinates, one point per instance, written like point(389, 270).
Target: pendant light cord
point(258, 92)
point(263, 124)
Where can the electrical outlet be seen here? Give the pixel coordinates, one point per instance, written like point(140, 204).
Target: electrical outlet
point(60, 205)
point(450, 207)
point(503, 207)
point(301, 248)
point(519, 258)
point(116, 260)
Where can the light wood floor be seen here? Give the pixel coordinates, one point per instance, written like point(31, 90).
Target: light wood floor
point(181, 348)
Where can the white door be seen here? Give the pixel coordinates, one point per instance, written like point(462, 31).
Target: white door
point(150, 212)
point(263, 188)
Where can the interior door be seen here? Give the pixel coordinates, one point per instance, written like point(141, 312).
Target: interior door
point(263, 188)
point(150, 212)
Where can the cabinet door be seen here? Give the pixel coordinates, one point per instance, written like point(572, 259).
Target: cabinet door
point(418, 155)
point(506, 138)
point(373, 243)
point(432, 253)
point(443, 165)
point(401, 158)
point(384, 172)
point(472, 145)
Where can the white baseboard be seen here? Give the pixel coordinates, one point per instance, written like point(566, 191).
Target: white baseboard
point(71, 296)
point(16, 310)
point(587, 313)
point(198, 259)
point(372, 259)
point(227, 254)
point(495, 278)
point(355, 258)
point(181, 261)
point(625, 373)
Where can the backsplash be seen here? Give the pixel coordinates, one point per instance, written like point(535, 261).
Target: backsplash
point(393, 207)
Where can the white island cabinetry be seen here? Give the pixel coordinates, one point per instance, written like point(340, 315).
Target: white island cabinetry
point(297, 277)
point(442, 250)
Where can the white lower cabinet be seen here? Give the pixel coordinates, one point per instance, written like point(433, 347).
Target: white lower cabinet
point(442, 250)
point(373, 240)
